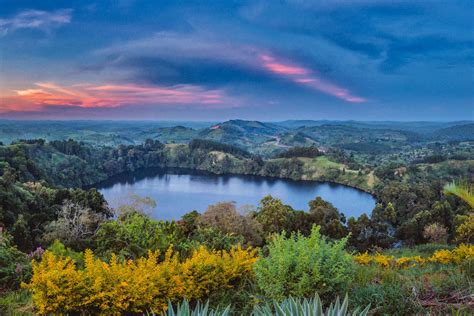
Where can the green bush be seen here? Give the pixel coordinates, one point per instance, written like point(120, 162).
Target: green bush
point(300, 266)
point(308, 307)
point(58, 249)
point(14, 265)
point(133, 234)
point(211, 238)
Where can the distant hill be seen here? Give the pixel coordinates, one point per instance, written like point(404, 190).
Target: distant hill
point(245, 134)
point(457, 132)
point(419, 127)
point(301, 123)
point(247, 127)
point(176, 134)
point(263, 138)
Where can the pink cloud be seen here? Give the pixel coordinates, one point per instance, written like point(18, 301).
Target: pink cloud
point(111, 95)
point(285, 69)
point(306, 77)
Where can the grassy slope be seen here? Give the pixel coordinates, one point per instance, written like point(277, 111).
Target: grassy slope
point(318, 168)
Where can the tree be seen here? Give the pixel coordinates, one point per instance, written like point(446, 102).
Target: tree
point(361, 232)
point(325, 215)
point(224, 216)
point(76, 225)
point(273, 215)
point(136, 204)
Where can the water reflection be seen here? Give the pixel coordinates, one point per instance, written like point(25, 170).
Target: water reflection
point(178, 191)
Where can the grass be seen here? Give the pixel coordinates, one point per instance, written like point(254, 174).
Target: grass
point(321, 167)
point(432, 289)
point(424, 250)
point(16, 303)
point(322, 162)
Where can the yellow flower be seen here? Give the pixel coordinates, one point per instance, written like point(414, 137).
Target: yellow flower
point(58, 286)
point(363, 258)
point(402, 262)
point(463, 252)
point(442, 256)
point(382, 259)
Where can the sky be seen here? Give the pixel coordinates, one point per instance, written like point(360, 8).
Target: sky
point(218, 60)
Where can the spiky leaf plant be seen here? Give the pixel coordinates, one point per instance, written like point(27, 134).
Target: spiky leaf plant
point(184, 309)
point(308, 307)
point(462, 190)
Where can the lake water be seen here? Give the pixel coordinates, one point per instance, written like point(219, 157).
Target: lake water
point(178, 191)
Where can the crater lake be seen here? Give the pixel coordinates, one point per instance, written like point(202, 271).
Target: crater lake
point(179, 191)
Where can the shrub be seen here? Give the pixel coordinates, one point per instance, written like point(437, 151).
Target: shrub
point(14, 264)
point(465, 228)
point(211, 238)
point(301, 266)
point(224, 216)
point(59, 250)
point(305, 307)
point(458, 255)
point(435, 233)
point(59, 286)
point(133, 234)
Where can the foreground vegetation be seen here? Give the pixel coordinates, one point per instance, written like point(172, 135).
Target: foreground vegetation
point(64, 281)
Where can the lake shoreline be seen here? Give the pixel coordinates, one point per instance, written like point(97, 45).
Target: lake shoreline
point(170, 186)
point(208, 172)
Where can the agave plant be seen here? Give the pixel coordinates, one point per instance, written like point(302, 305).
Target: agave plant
point(183, 309)
point(308, 307)
point(462, 190)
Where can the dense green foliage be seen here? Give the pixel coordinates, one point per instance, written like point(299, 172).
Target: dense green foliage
point(299, 266)
point(309, 152)
point(210, 145)
point(14, 264)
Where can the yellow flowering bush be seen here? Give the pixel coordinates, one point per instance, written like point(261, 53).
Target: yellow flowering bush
point(363, 258)
point(458, 255)
point(442, 256)
point(463, 252)
point(402, 262)
point(114, 287)
point(56, 284)
point(382, 259)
